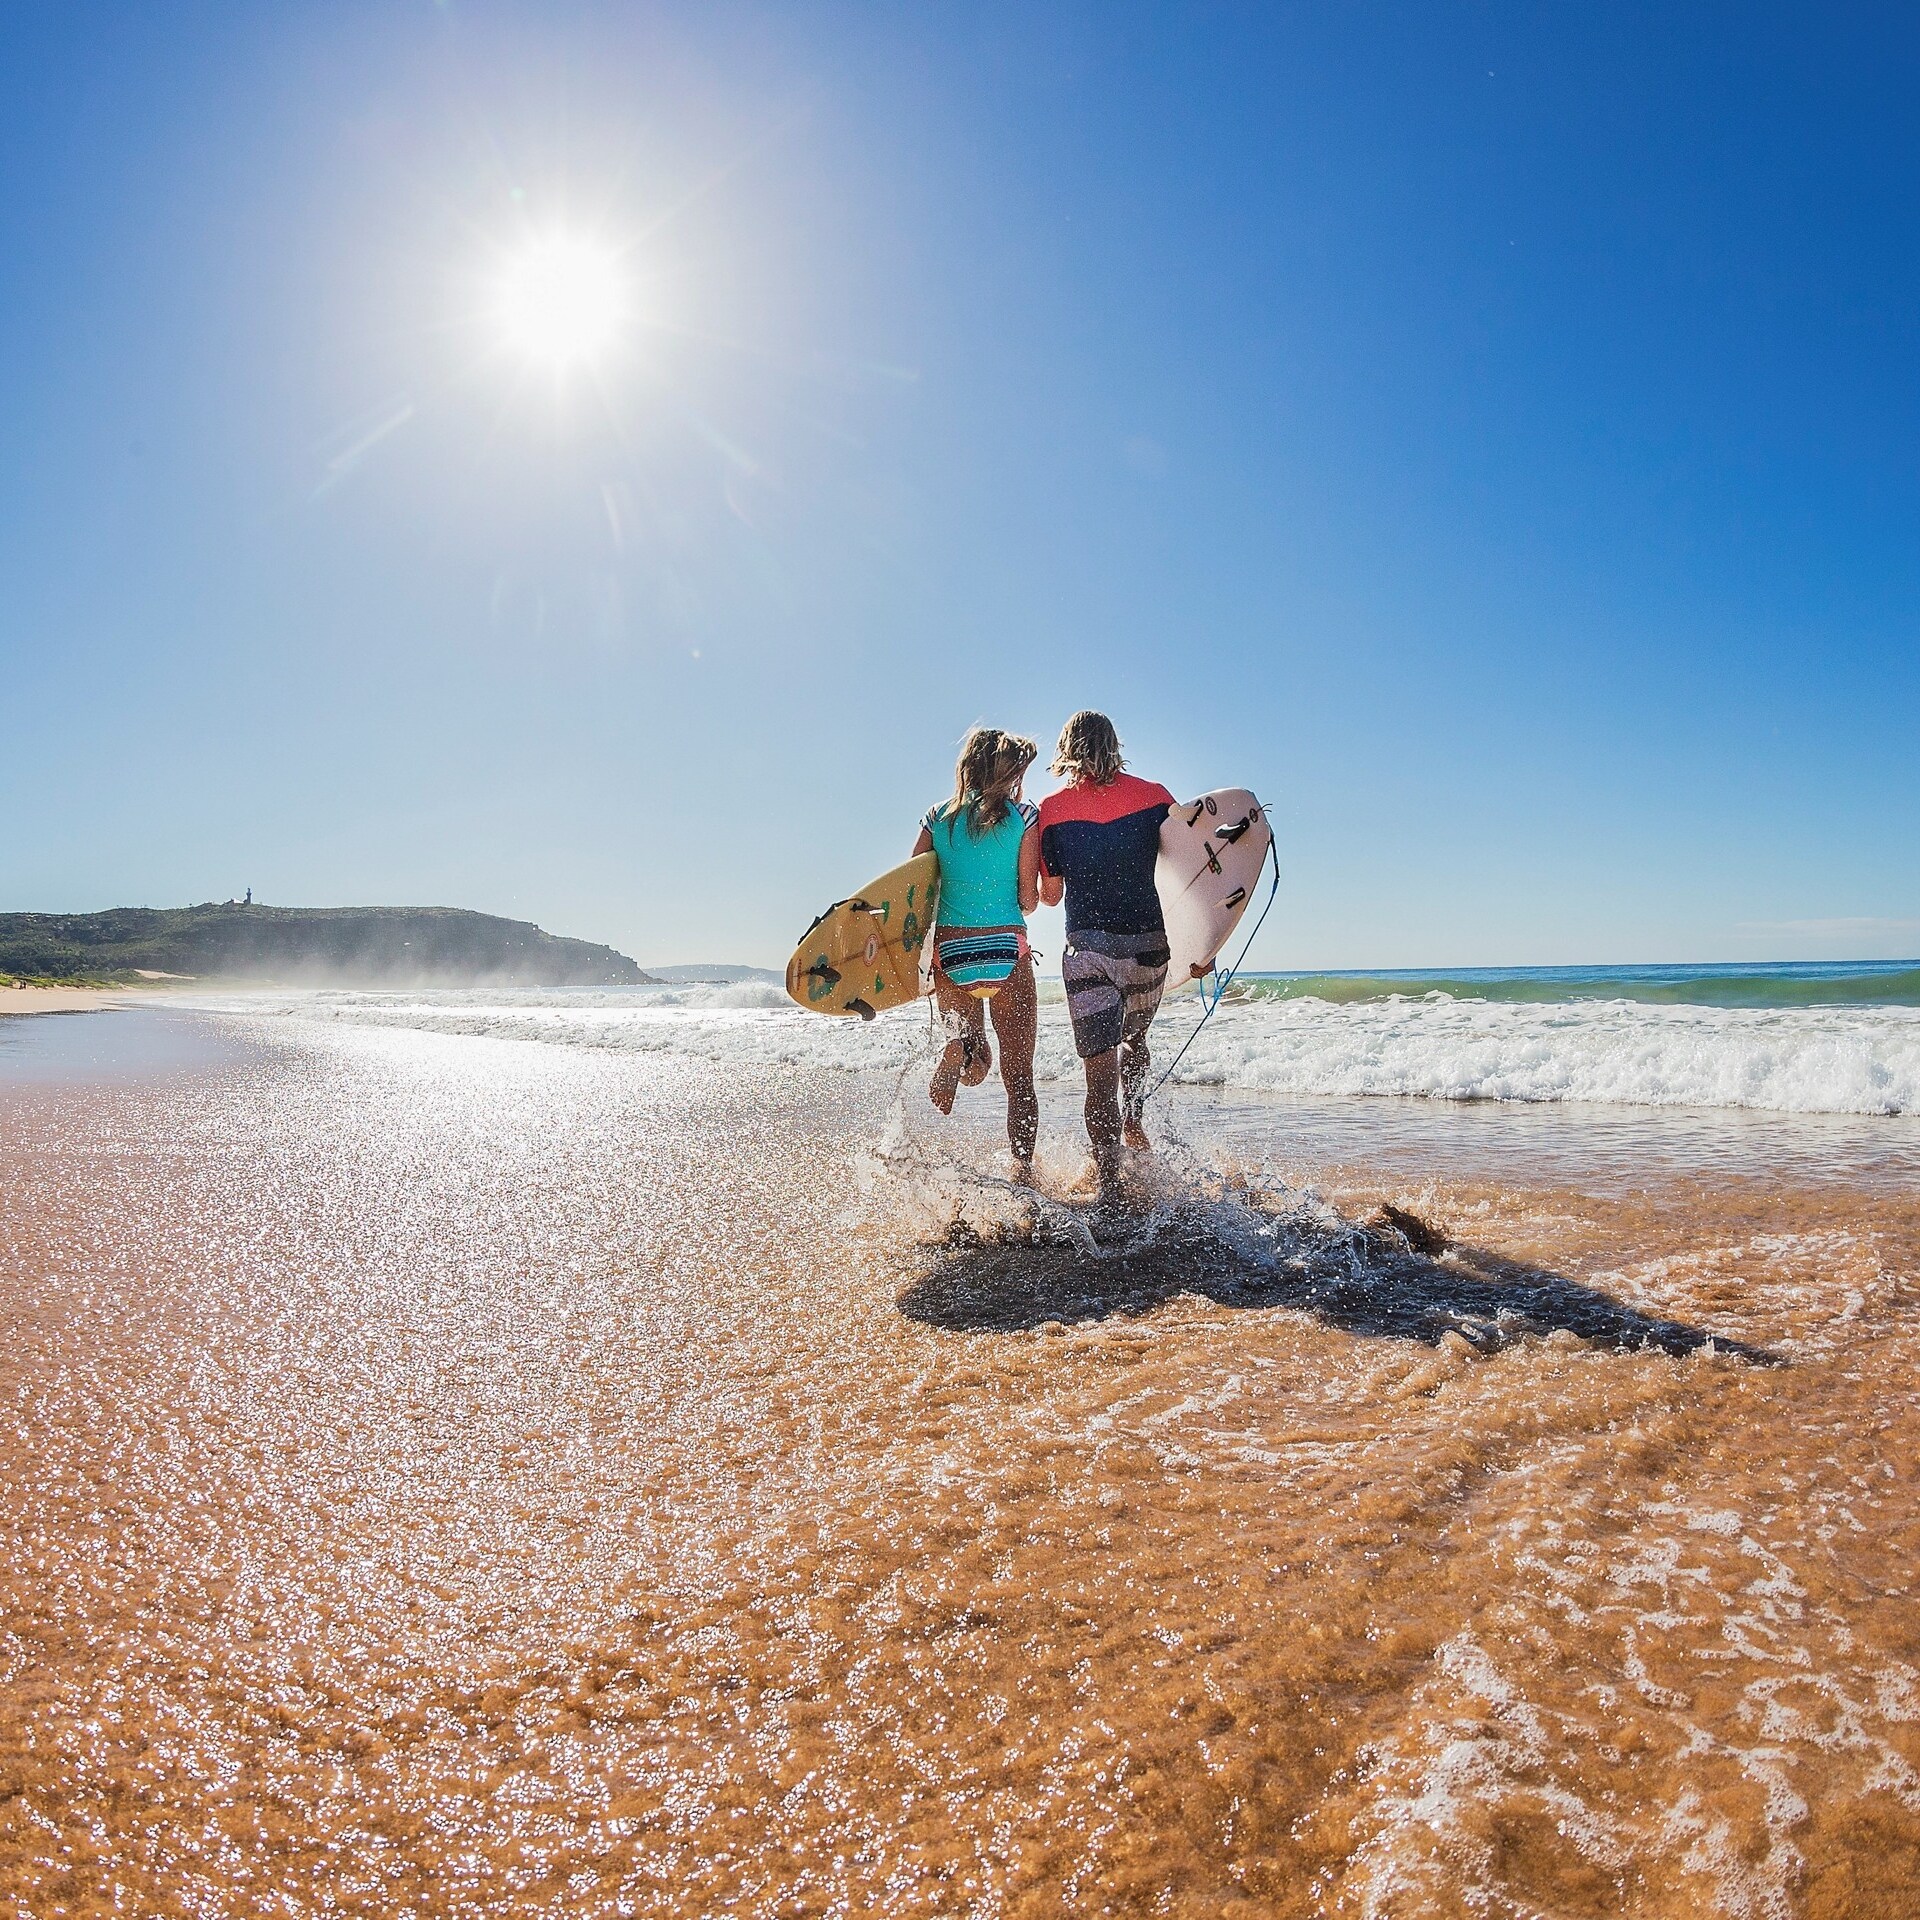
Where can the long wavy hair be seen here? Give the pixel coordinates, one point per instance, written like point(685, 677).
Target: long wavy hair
point(1089, 749)
point(988, 774)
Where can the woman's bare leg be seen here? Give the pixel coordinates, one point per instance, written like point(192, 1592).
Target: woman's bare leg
point(967, 1056)
point(1016, 1014)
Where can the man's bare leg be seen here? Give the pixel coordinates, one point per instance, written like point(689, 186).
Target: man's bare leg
point(1103, 1115)
point(1135, 1063)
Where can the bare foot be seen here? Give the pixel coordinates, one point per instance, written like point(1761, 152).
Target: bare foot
point(979, 1060)
point(1023, 1173)
point(946, 1076)
point(1135, 1135)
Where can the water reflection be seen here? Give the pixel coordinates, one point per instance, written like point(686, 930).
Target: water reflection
point(111, 1043)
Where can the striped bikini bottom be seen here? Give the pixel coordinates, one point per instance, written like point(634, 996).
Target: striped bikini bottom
point(979, 959)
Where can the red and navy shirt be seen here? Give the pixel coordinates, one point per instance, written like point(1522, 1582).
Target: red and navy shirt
point(1103, 841)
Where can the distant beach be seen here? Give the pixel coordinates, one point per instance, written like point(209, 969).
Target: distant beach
point(62, 999)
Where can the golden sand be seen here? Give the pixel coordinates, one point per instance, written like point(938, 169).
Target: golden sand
point(453, 1477)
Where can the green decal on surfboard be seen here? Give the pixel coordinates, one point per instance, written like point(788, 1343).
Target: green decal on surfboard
point(867, 945)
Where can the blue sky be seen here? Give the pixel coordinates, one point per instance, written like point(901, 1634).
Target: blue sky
point(1488, 431)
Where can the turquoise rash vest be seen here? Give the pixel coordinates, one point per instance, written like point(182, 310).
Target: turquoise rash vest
point(979, 875)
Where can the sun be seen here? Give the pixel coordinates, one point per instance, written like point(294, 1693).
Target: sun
point(562, 301)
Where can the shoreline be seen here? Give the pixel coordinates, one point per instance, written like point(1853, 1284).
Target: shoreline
point(28, 1000)
point(1610, 1145)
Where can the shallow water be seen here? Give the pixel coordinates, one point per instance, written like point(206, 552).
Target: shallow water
point(451, 1475)
point(111, 1043)
point(1598, 1149)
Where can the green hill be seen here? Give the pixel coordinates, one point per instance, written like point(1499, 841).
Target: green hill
point(341, 946)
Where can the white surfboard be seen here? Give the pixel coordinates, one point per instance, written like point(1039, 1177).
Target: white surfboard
point(1212, 854)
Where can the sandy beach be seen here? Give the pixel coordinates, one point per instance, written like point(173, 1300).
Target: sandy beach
point(63, 999)
point(451, 1475)
point(602, 602)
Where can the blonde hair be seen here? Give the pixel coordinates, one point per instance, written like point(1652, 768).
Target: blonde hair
point(991, 765)
point(1089, 749)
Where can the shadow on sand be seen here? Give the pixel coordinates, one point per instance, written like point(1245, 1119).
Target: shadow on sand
point(1394, 1278)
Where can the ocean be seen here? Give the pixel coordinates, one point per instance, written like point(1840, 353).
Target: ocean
point(1791, 983)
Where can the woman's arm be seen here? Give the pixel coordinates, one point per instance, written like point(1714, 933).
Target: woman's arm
point(1035, 886)
point(924, 844)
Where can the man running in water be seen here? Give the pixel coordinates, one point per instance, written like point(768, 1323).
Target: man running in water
point(1096, 840)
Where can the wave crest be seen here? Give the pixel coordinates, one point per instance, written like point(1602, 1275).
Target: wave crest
point(1615, 1053)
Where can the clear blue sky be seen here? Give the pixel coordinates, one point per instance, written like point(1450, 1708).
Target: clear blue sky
point(1492, 432)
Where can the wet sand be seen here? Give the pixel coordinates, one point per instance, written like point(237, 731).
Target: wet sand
point(61, 999)
point(457, 1476)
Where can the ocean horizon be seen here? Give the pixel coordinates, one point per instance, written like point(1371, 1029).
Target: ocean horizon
point(1723, 983)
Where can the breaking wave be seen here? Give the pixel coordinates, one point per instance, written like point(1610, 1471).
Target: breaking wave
point(1829, 1059)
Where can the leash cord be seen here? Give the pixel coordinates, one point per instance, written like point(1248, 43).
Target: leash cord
point(1224, 980)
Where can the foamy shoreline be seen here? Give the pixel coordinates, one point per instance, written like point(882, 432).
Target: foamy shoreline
point(1812, 1060)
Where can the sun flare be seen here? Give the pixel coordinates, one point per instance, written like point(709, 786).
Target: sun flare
point(562, 301)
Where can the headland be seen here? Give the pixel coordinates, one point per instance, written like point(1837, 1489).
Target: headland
point(361, 946)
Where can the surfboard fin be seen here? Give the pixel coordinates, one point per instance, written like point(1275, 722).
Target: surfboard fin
point(861, 1008)
point(1233, 833)
point(822, 972)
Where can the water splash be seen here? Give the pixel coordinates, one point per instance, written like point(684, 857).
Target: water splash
point(997, 1255)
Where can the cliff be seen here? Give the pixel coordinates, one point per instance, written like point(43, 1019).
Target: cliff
point(341, 946)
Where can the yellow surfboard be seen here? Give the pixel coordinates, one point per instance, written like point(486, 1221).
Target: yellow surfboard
point(862, 955)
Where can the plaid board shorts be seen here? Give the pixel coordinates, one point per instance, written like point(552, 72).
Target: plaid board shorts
point(1114, 983)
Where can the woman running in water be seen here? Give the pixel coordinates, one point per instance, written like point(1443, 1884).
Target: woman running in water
point(981, 959)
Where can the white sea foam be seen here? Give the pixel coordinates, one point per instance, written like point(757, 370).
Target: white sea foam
point(1794, 1060)
point(1615, 1052)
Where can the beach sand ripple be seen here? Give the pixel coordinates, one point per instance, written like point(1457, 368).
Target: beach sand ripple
point(450, 1476)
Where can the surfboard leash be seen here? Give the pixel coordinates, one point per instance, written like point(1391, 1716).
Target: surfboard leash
point(1224, 980)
